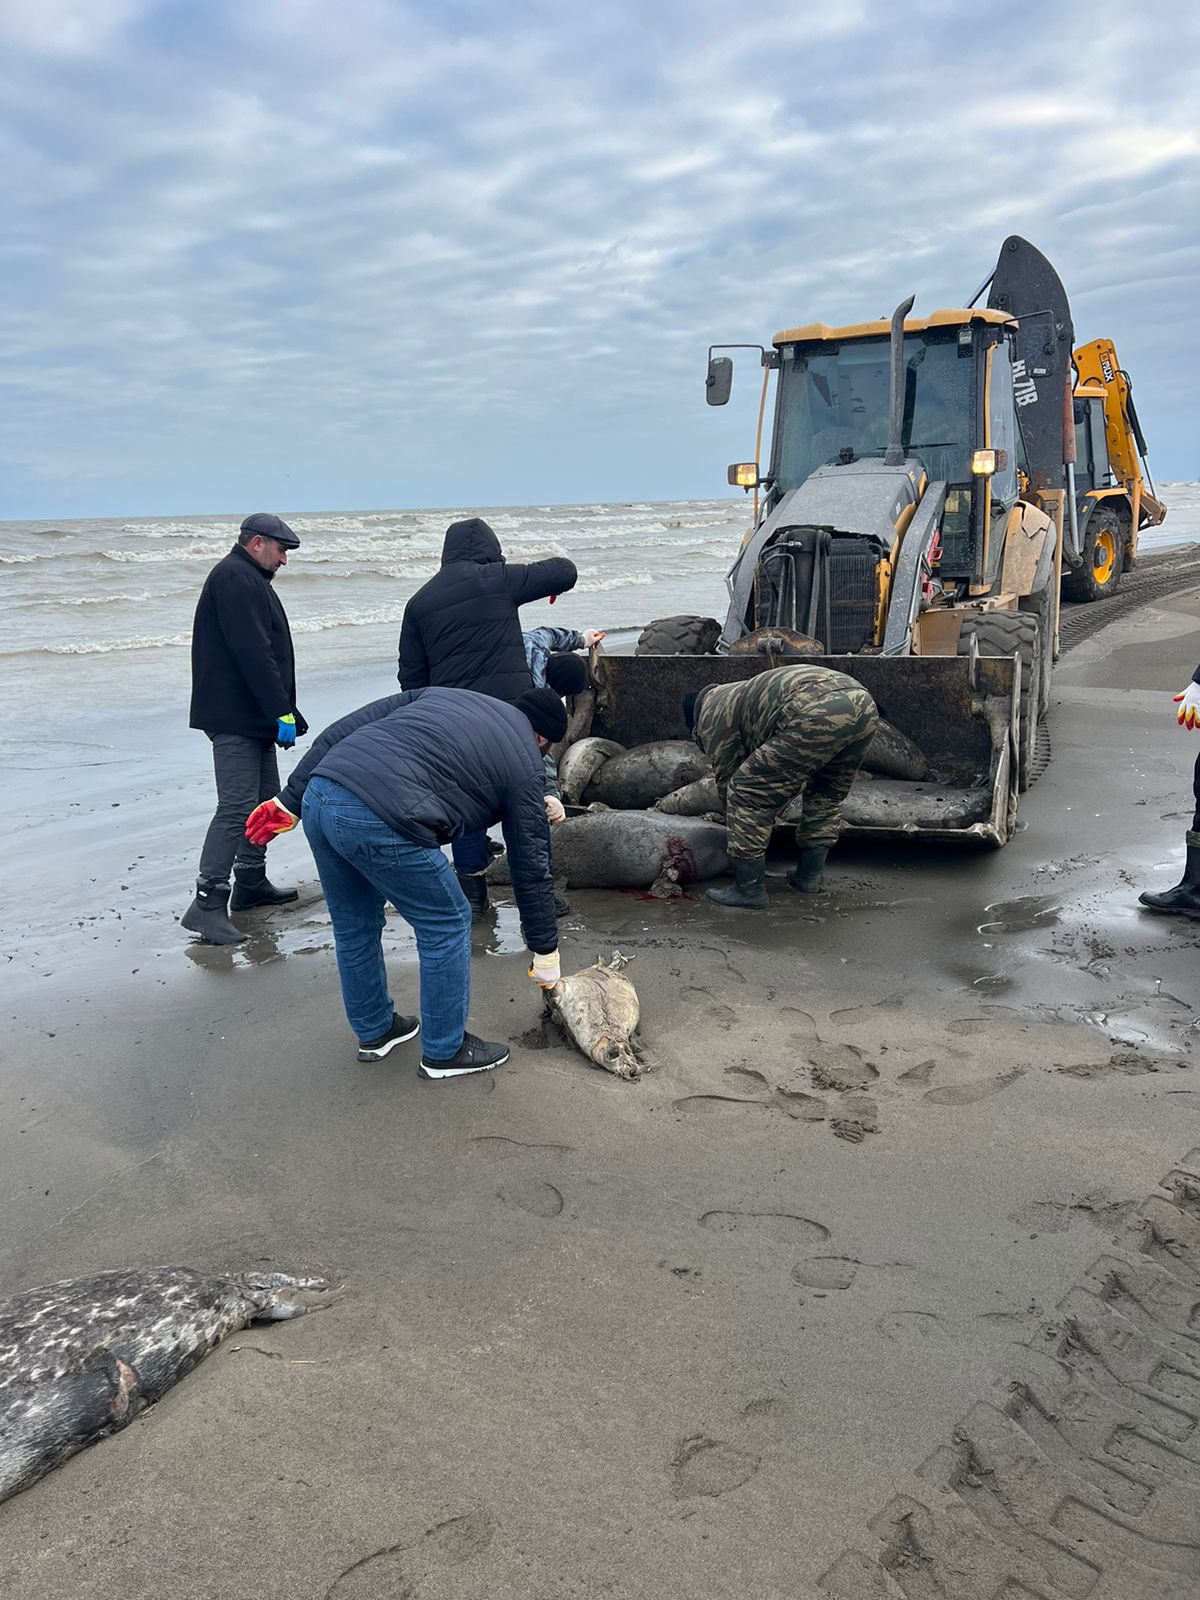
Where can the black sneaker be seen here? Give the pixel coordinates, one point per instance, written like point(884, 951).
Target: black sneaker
point(472, 1055)
point(402, 1028)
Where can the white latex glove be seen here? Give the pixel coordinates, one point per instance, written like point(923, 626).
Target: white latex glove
point(544, 970)
point(591, 637)
point(555, 810)
point(1189, 706)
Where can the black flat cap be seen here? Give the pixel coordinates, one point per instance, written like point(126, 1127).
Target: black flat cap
point(269, 526)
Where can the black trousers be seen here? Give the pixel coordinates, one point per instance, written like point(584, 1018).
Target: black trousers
point(1196, 792)
point(247, 771)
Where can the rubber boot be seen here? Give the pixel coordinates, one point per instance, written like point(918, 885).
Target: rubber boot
point(1184, 899)
point(746, 890)
point(252, 887)
point(806, 875)
point(208, 914)
point(474, 886)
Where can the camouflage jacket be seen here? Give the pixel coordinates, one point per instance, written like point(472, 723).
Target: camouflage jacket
point(733, 719)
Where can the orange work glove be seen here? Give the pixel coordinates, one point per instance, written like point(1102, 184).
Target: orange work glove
point(268, 819)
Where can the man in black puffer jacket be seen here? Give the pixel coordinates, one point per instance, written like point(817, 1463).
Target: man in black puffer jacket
point(461, 630)
point(381, 792)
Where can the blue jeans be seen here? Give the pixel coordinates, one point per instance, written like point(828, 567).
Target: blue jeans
point(363, 863)
point(470, 853)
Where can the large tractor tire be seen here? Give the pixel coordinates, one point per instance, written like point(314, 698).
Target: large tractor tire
point(1007, 633)
point(679, 636)
point(1104, 542)
point(1039, 605)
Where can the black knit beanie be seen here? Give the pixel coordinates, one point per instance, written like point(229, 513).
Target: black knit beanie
point(546, 712)
point(566, 674)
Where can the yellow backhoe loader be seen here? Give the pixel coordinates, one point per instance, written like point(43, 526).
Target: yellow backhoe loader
point(908, 530)
point(1113, 493)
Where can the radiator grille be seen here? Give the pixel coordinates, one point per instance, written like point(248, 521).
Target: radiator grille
point(852, 587)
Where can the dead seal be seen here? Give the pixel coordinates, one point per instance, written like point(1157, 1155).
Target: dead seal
point(631, 850)
point(644, 774)
point(79, 1359)
point(894, 755)
point(580, 763)
point(699, 799)
point(598, 1011)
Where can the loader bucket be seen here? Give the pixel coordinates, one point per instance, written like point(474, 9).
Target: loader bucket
point(961, 711)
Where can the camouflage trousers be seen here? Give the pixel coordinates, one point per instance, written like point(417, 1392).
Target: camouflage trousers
point(816, 750)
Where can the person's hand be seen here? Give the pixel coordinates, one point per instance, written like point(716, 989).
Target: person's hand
point(1189, 706)
point(544, 970)
point(591, 637)
point(285, 731)
point(555, 810)
point(267, 820)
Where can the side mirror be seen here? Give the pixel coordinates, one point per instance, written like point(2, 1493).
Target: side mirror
point(719, 382)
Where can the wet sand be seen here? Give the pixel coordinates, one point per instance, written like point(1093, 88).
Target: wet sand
point(681, 1338)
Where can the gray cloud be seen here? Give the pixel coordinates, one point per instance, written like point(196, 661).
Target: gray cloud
point(385, 254)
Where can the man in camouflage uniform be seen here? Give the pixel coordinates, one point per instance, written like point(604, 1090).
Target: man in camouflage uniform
point(793, 730)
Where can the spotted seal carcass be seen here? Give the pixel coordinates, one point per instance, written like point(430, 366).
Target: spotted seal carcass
point(598, 1011)
point(79, 1359)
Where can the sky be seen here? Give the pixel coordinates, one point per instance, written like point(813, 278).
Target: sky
point(314, 256)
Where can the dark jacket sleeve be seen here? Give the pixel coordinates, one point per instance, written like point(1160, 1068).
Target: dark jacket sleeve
point(244, 617)
point(536, 581)
point(527, 840)
point(1196, 675)
point(414, 662)
point(292, 795)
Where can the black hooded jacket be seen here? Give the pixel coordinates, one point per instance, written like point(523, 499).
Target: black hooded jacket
point(243, 665)
point(435, 764)
point(461, 630)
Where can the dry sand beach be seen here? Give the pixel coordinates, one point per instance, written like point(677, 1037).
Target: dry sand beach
point(688, 1337)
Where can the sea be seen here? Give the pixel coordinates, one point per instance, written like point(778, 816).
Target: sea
point(97, 613)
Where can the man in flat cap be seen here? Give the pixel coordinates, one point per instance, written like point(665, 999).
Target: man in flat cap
point(244, 699)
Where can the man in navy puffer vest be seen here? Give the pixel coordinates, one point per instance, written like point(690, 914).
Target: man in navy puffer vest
point(461, 630)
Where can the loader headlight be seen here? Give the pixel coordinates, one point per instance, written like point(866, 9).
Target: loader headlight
point(744, 474)
point(983, 463)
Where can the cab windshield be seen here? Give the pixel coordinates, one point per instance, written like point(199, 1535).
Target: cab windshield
point(835, 398)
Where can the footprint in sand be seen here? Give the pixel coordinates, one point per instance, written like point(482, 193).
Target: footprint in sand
point(706, 1104)
point(401, 1569)
point(775, 1227)
point(914, 1327)
point(500, 1148)
point(921, 1073)
point(711, 1467)
point(966, 1094)
point(540, 1199)
point(826, 1272)
point(841, 1067)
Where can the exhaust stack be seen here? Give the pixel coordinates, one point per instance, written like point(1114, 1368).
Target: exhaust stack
point(894, 456)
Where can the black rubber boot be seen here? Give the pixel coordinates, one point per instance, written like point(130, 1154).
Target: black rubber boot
point(1184, 899)
point(746, 890)
point(252, 887)
point(208, 915)
point(474, 886)
point(806, 875)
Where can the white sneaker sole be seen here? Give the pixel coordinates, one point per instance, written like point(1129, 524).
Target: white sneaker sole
point(427, 1071)
point(377, 1052)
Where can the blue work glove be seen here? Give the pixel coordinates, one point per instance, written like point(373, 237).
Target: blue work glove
point(285, 731)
